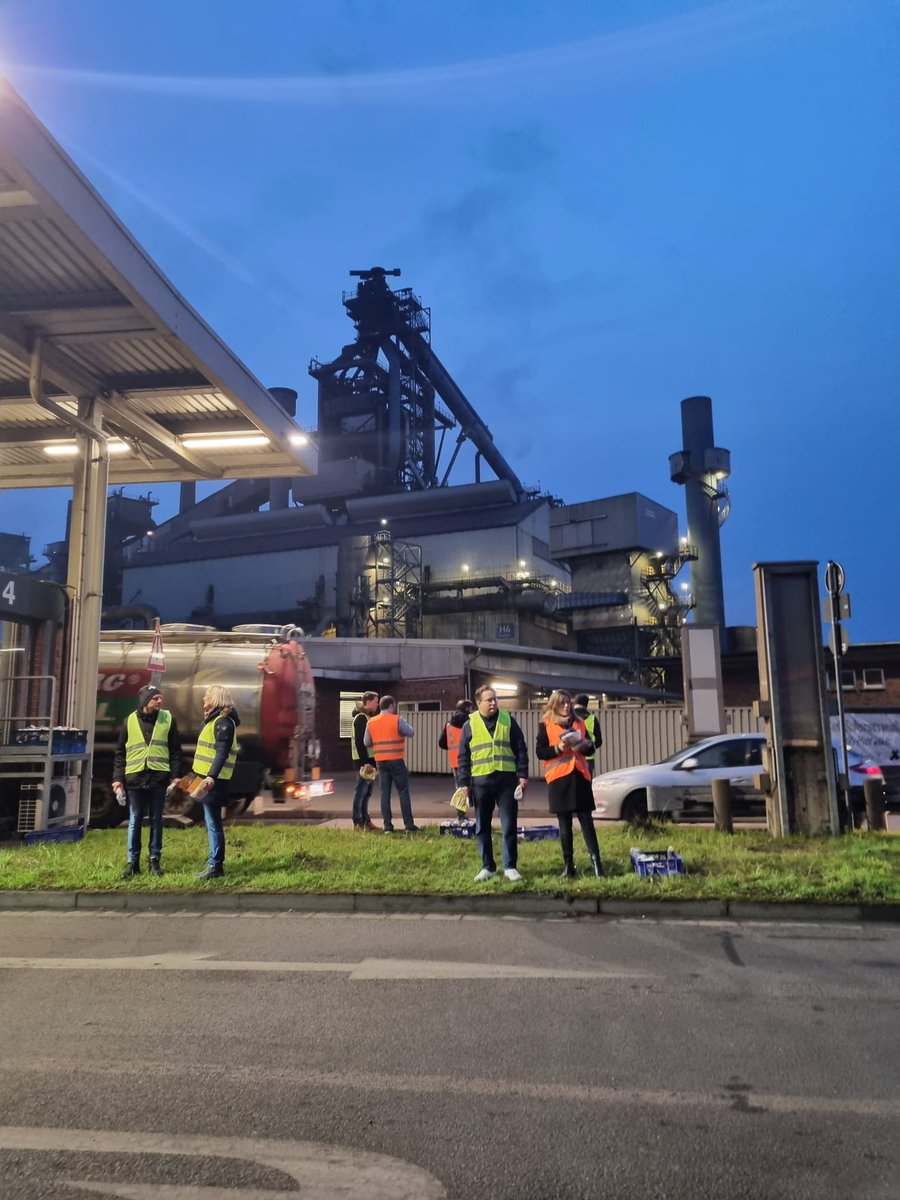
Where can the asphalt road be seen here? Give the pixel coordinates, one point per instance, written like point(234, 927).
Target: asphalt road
point(225, 1057)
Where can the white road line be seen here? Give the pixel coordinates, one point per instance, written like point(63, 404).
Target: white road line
point(366, 969)
point(458, 1085)
point(323, 1171)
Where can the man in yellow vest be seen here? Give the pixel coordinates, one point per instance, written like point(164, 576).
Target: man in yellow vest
point(386, 736)
point(592, 725)
point(493, 766)
point(148, 757)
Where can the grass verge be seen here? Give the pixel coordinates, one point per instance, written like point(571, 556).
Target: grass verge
point(746, 866)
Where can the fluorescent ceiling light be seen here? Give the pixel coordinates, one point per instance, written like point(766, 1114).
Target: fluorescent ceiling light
point(504, 688)
point(223, 442)
point(16, 198)
point(298, 439)
point(70, 449)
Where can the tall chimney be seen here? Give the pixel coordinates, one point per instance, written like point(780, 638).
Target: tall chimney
point(700, 466)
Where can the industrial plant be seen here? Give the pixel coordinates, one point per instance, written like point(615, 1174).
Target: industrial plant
point(385, 541)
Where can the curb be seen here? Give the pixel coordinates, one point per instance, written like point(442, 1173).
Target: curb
point(523, 904)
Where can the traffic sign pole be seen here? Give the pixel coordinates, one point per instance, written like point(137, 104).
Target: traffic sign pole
point(834, 582)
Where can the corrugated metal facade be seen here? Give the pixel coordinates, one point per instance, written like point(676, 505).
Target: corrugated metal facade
point(630, 735)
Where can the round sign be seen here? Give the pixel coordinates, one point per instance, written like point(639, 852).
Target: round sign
point(834, 577)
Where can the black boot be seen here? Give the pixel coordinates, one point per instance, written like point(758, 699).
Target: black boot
point(597, 865)
point(131, 868)
point(155, 868)
point(212, 872)
point(569, 871)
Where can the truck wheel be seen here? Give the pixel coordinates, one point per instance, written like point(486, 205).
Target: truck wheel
point(634, 808)
point(106, 811)
point(180, 804)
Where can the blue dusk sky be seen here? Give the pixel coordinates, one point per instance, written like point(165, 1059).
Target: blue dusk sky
point(608, 206)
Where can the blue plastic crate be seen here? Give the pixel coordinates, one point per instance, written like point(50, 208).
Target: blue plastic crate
point(538, 833)
point(58, 833)
point(458, 829)
point(650, 863)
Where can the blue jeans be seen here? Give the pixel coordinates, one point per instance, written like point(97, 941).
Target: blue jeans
point(215, 830)
point(361, 796)
point(145, 802)
point(390, 772)
point(487, 791)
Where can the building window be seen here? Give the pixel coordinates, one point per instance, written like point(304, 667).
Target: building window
point(348, 702)
point(873, 679)
point(848, 681)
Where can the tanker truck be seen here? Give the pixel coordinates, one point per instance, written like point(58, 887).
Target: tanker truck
point(267, 671)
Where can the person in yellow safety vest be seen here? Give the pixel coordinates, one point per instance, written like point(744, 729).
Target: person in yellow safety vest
point(385, 736)
point(214, 759)
point(563, 747)
point(451, 734)
point(148, 757)
point(366, 707)
point(592, 726)
point(493, 767)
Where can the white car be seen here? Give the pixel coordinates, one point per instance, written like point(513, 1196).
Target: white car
point(622, 795)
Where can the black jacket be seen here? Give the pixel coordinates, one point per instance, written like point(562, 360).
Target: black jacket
point(223, 732)
point(596, 737)
point(458, 718)
point(149, 779)
point(360, 721)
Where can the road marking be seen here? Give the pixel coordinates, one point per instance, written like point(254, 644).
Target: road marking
point(323, 1171)
point(365, 969)
point(442, 1085)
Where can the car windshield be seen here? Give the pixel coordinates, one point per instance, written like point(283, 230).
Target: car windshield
point(673, 757)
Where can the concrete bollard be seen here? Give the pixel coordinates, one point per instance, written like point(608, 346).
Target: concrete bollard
point(721, 793)
point(875, 810)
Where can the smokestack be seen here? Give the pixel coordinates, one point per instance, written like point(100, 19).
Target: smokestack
point(701, 466)
point(280, 489)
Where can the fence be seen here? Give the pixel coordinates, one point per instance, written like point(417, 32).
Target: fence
point(631, 735)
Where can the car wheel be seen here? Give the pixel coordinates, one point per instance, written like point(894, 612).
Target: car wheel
point(634, 807)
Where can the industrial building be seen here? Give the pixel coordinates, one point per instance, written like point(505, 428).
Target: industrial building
point(384, 542)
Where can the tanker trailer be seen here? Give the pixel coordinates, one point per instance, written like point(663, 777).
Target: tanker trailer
point(268, 673)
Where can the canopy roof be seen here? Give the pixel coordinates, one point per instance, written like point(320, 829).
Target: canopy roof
point(86, 315)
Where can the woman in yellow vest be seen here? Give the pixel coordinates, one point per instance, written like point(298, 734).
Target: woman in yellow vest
point(214, 759)
point(562, 746)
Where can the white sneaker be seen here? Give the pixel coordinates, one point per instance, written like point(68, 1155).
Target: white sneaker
point(512, 875)
point(484, 875)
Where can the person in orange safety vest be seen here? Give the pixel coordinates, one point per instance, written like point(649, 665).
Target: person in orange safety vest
point(452, 732)
point(385, 736)
point(563, 747)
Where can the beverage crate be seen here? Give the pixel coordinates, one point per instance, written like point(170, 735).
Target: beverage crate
point(650, 863)
point(458, 829)
point(538, 833)
point(61, 741)
point(32, 735)
point(57, 833)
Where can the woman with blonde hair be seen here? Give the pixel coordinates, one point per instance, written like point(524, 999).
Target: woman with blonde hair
point(562, 744)
point(214, 759)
